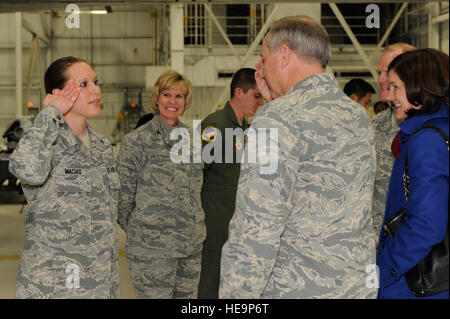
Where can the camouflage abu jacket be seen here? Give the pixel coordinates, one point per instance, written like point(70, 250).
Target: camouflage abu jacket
point(71, 247)
point(159, 206)
point(305, 231)
point(385, 127)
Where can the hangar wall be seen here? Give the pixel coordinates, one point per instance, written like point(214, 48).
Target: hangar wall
point(126, 51)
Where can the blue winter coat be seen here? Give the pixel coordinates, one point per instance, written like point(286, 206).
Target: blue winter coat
point(427, 210)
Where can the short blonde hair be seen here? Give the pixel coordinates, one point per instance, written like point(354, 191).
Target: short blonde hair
point(169, 80)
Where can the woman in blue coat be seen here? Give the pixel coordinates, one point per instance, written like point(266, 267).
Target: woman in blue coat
point(419, 90)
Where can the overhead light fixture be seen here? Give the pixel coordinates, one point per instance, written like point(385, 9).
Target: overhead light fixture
point(95, 12)
point(74, 9)
point(107, 10)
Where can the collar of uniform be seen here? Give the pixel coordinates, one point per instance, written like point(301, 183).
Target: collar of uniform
point(159, 130)
point(98, 143)
point(313, 81)
point(232, 116)
point(66, 136)
point(410, 124)
point(94, 136)
point(69, 139)
point(394, 121)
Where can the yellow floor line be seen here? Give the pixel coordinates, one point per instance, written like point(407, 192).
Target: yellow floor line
point(9, 257)
point(17, 257)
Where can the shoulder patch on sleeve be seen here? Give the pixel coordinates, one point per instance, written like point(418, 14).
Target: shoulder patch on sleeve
point(209, 134)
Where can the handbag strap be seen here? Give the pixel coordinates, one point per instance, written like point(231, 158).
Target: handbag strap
point(405, 172)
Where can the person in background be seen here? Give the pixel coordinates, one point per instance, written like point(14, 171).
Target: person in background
point(380, 106)
point(359, 91)
point(160, 207)
point(419, 89)
point(303, 229)
point(386, 127)
point(69, 178)
point(220, 179)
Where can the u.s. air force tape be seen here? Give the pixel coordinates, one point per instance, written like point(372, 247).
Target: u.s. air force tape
point(209, 134)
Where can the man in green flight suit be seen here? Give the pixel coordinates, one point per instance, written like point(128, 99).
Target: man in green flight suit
point(220, 176)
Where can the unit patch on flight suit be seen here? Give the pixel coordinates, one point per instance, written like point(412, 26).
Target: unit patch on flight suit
point(209, 134)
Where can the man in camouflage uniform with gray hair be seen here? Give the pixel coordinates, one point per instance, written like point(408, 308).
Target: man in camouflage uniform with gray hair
point(304, 231)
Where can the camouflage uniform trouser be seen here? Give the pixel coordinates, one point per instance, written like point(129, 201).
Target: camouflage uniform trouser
point(165, 278)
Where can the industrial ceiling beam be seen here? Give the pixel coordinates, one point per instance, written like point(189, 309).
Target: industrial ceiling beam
point(433, 28)
point(253, 46)
point(176, 38)
point(222, 32)
point(355, 41)
point(27, 26)
point(18, 56)
point(31, 5)
point(441, 18)
point(388, 31)
point(30, 72)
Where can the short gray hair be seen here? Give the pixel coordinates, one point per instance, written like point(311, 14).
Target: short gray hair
point(307, 38)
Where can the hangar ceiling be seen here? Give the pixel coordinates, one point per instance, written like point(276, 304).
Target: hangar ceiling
point(35, 5)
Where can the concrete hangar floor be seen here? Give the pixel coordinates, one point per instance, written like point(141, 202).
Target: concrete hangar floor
point(12, 239)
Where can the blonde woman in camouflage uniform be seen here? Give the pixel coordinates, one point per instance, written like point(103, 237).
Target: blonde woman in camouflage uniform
point(70, 181)
point(160, 207)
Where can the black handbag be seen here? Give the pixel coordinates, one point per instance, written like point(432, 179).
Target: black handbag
point(430, 275)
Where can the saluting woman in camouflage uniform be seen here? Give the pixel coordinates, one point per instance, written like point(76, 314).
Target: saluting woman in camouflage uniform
point(160, 206)
point(71, 184)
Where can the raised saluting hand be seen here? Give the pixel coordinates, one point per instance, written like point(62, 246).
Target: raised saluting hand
point(64, 99)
